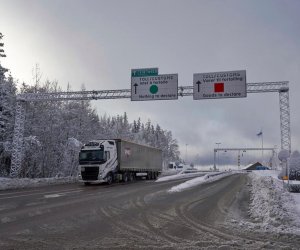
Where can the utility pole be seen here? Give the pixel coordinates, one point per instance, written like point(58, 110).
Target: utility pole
point(262, 146)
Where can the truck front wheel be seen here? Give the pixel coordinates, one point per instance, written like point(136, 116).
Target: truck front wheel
point(109, 179)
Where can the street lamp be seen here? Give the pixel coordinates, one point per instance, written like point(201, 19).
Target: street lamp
point(218, 143)
point(186, 153)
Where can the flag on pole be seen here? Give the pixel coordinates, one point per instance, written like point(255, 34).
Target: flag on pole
point(260, 133)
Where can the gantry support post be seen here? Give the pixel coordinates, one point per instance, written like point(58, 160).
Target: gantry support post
point(18, 139)
point(285, 127)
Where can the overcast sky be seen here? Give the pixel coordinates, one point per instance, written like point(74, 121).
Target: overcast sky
point(97, 43)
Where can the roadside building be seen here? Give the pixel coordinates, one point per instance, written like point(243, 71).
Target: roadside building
point(256, 166)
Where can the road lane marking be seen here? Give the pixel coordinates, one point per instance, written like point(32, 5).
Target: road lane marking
point(19, 192)
point(42, 193)
point(53, 195)
point(7, 219)
point(59, 194)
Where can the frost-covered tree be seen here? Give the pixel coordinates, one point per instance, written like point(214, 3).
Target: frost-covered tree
point(70, 158)
point(31, 166)
point(146, 131)
point(137, 132)
point(43, 122)
point(53, 124)
point(7, 108)
point(7, 112)
point(2, 54)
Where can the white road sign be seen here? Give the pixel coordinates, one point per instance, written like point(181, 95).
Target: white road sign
point(229, 84)
point(160, 87)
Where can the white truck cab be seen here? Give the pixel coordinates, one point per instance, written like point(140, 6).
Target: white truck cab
point(96, 159)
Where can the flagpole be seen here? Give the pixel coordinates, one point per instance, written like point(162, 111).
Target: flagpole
point(262, 146)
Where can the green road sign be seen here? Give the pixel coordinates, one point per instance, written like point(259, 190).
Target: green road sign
point(144, 72)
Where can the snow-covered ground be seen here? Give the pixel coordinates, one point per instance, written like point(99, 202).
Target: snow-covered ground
point(15, 183)
point(200, 177)
point(272, 207)
point(171, 175)
point(199, 180)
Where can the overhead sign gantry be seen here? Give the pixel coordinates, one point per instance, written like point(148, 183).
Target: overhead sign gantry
point(156, 93)
point(216, 150)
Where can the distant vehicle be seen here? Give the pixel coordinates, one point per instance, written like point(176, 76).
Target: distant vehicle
point(118, 160)
point(175, 166)
point(294, 175)
point(262, 168)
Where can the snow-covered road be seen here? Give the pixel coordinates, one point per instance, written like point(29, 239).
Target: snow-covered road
point(227, 210)
point(272, 208)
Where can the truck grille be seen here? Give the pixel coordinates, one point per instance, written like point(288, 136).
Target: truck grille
point(90, 173)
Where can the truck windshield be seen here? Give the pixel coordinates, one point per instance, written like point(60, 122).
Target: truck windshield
point(96, 156)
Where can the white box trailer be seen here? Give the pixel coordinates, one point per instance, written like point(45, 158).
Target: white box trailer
point(118, 160)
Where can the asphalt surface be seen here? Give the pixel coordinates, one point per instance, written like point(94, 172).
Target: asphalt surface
point(138, 215)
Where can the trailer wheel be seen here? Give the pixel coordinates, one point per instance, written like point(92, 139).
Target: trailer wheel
point(125, 177)
point(151, 176)
point(148, 177)
point(109, 179)
point(131, 177)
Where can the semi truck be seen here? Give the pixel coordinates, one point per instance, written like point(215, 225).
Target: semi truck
point(118, 160)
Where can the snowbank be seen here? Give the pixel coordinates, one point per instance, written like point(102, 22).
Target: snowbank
point(14, 183)
point(272, 207)
point(179, 176)
point(199, 180)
